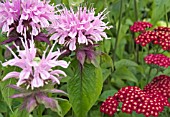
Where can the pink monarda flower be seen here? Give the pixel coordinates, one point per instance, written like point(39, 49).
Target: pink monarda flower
point(82, 27)
point(36, 72)
point(135, 99)
point(10, 13)
point(28, 15)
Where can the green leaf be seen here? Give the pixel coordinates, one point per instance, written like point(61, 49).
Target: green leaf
point(125, 62)
point(19, 113)
point(115, 7)
point(3, 107)
point(121, 114)
point(75, 2)
point(107, 46)
point(124, 73)
point(65, 2)
point(95, 113)
point(1, 115)
point(118, 82)
point(7, 92)
point(84, 89)
point(46, 116)
point(56, 1)
point(158, 9)
point(106, 73)
point(134, 114)
point(106, 94)
point(65, 106)
point(106, 61)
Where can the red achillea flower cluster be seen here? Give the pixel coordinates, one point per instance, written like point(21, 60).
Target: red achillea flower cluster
point(158, 59)
point(140, 26)
point(109, 106)
point(146, 38)
point(160, 84)
point(166, 29)
point(159, 36)
point(163, 37)
point(135, 99)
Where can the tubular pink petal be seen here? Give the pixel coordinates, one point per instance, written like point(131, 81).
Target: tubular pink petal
point(44, 23)
point(81, 38)
point(20, 95)
point(5, 28)
point(55, 36)
point(62, 63)
point(24, 74)
point(24, 16)
point(57, 72)
point(34, 31)
point(72, 45)
point(37, 82)
point(57, 91)
point(20, 82)
point(11, 75)
point(54, 79)
point(10, 62)
point(44, 75)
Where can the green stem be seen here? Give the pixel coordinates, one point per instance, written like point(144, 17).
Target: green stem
point(102, 114)
point(148, 79)
point(135, 10)
point(72, 113)
point(136, 19)
point(166, 16)
point(118, 30)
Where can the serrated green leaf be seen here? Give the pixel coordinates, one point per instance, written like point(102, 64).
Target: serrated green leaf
point(84, 89)
point(125, 62)
point(106, 94)
point(125, 74)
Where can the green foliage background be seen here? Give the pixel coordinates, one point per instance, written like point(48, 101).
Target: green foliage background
point(121, 63)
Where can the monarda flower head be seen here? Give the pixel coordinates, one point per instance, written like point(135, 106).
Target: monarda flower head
point(25, 16)
point(135, 99)
point(36, 71)
point(77, 28)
